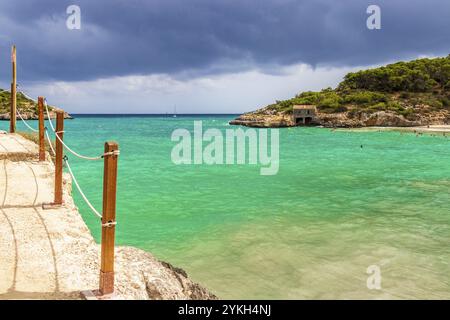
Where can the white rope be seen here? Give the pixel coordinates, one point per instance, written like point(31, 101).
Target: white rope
point(109, 224)
point(17, 109)
point(50, 142)
point(75, 153)
point(26, 96)
point(66, 161)
point(81, 191)
point(62, 142)
point(48, 115)
point(111, 153)
point(29, 127)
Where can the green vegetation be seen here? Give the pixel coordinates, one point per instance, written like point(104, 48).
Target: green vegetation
point(23, 103)
point(403, 88)
point(421, 75)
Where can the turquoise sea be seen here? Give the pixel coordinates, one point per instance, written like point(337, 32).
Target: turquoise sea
point(311, 231)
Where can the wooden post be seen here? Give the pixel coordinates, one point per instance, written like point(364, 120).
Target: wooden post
point(12, 115)
point(41, 129)
point(59, 157)
point(108, 219)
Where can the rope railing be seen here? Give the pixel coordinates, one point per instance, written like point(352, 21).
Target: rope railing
point(25, 95)
point(64, 144)
point(18, 112)
point(49, 142)
point(75, 153)
point(53, 129)
point(66, 161)
point(95, 211)
point(24, 122)
point(110, 156)
point(48, 115)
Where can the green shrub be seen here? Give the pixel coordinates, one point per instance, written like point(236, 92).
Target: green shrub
point(308, 97)
point(422, 81)
point(365, 97)
point(432, 102)
point(447, 85)
point(422, 75)
point(405, 95)
point(445, 102)
point(408, 113)
point(379, 106)
point(437, 104)
point(329, 103)
point(394, 105)
point(333, 109)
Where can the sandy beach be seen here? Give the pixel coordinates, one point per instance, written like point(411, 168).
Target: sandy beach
point(432, 129)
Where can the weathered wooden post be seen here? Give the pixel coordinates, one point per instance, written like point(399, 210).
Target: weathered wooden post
point(108, 218)
point(41, 129)
point(12, 115)
point(59, 157)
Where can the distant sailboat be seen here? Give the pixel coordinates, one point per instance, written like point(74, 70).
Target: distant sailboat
point(175, 112)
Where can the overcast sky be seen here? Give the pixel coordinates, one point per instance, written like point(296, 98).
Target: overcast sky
point(206, 56)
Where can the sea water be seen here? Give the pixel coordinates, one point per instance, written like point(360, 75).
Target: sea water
point(341, 203)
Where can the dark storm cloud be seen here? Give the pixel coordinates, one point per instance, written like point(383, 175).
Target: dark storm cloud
point(192, 37)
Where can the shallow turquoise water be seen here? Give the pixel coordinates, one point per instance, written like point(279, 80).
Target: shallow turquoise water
point(311, 231)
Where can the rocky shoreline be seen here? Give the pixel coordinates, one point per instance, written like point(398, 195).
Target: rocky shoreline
point(29, 115)
point(139, 275)
point(27, 107)
point(402, 94)
point(268, 118)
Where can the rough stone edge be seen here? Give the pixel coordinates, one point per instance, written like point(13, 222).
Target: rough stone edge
point(194, 290)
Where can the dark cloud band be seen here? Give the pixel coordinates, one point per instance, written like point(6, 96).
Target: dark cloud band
point(193, 37)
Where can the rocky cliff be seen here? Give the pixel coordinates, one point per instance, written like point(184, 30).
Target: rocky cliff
point(414, 93)
point(31, 115)
point(268, 118)
point(139, 275)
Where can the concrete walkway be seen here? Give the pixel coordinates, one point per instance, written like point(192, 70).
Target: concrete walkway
point(16, 148)
point(41, 251)
point(51, 254)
